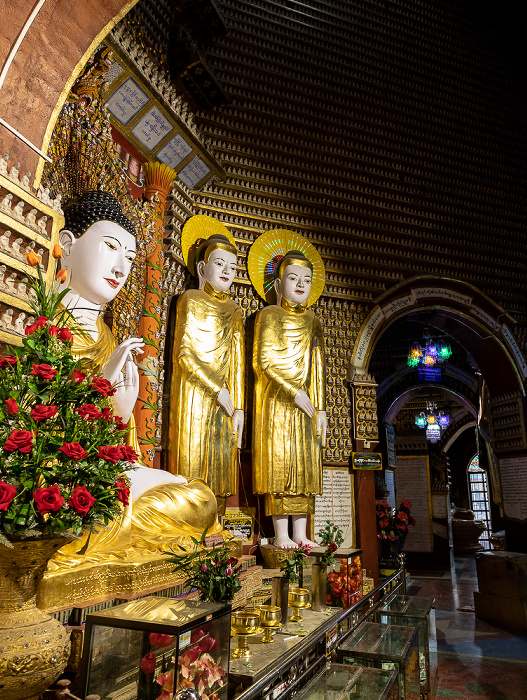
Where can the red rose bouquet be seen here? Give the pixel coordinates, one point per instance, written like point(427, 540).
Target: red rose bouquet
point(392, 527)
point(62, 454)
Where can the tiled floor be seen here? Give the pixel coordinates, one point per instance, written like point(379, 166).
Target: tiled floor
point(476, 660)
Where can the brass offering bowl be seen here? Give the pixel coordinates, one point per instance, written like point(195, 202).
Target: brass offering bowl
point(270, 618)
point(244, 623)
point(298, 598)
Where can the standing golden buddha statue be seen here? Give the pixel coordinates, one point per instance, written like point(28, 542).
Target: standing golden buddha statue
point(207, 383)
point(289, 425)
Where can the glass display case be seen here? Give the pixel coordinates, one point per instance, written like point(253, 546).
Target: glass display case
point(343, 580)
point(416, 611)
point(389, 647)
point(157, 647)
point(343, 682)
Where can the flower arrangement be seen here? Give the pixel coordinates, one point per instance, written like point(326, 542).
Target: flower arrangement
point(197, 668)
point(214, 572)
point(392, 527)
point(332, 538)
point(290, 567)
point(62, 452)
point(345, 585)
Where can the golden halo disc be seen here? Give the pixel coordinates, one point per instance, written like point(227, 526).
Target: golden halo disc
point(199, 227)
point(267, 251)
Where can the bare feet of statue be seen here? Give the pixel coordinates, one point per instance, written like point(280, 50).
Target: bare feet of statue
point(300, 530)
point(285, 543)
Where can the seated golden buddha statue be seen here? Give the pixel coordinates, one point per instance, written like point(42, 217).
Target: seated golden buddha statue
point(98, 244)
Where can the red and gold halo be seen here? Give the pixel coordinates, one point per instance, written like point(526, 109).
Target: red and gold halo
point(199, 228)
point(266, 253)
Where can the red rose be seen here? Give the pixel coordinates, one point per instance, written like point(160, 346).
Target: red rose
point(7, 360)
point(111, 453)
point(77, 376)
point(401, 515)
point(123, 492)
point(128, 453)
point(42, 320)
point(42, 412)
point(102, 386)
point(88, 411)
point(332, 548)
point(81, 500)
point(106, 414)
point(406, 504)
point(19, 440)
point(66, 335)
point(43, 371)
point(160, 640)
point(119, 422)
point(148, 663)
point(73, 450)
point(48, 499)
point(11, 407)
point(7, 493)
point(54, 330)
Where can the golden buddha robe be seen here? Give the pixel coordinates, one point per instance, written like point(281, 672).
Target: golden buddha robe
point(208, 355)
point(288, 355)
point(163, 517)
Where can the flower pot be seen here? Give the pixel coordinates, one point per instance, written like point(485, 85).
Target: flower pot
point(34, 648)
point(319, 582)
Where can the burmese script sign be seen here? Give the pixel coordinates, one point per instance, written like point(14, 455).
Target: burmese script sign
point(366, 460)
point(513, 477)
point(335, 504)
point(412, 482)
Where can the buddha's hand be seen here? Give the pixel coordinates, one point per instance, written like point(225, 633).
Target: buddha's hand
point(303, 402)
point(127, 387)
point(322, 424)
point(237, 424)
point(225, 401)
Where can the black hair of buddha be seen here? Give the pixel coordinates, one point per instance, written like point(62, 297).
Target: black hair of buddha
point(94, 205)
point(292, 257)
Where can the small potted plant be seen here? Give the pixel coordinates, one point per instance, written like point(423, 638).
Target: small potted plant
point(392, 527)
point(213, 571)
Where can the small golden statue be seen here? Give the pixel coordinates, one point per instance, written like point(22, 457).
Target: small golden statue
point(289, 425)
point(207, 385)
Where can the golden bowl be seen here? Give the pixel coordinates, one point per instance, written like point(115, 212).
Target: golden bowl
point(298, 598)
point(270, 617)
point(245, 622)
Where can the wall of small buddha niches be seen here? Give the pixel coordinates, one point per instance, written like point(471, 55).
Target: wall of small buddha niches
point(390, 134)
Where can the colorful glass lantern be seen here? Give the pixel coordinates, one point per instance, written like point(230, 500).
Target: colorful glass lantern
point(431, 354)
point(420, 420)
point(443, 419)
point(434, 422)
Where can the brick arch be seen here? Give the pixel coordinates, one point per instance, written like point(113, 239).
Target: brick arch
point(50, 57)
point(462, 311)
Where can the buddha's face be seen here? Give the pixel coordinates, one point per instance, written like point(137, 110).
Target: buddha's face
point(295, 284)
point(99, 262)
point(218, 271)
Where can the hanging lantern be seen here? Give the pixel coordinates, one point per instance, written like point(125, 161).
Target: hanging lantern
point(420, 420)
point(434, 422)
point(443, 419)
point(431, 354)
